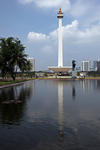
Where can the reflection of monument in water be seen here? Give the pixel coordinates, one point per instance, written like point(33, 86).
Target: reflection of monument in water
point(60, 109)
point(60, 67)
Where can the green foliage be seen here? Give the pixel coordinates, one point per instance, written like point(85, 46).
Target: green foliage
point(45, 74)
point(94, 73)
point(78, 73)
point(12, 56)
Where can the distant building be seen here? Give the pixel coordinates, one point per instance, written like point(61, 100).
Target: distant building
point(86, 65)
point(98, 66)
point(95, 65)
point(32, 60)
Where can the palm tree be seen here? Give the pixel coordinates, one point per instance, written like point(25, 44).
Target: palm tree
point(11, 55)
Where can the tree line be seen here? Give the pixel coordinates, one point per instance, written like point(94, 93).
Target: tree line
point(12, 56)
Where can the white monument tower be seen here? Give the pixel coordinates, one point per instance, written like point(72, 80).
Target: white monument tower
point(60, 45)
point(60, 68)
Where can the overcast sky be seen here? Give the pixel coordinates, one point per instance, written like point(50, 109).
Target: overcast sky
point(35, 23)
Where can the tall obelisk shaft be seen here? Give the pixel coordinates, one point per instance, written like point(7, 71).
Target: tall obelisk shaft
point(60, 45)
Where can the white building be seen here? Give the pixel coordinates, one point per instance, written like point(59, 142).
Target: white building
point(32, 60)
point(86, 65)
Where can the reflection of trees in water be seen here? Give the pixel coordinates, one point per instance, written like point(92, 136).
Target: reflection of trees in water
point(73, 90)
point(11, 111)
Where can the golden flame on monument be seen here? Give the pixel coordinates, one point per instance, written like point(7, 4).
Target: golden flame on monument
point(60, 11)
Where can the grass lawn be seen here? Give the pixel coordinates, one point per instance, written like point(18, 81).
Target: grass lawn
point(10, 82)
point(13, 82)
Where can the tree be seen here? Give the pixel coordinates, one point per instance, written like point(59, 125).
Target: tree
point(73, 64)
point(12, 55)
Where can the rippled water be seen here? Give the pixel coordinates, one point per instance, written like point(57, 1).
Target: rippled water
point(50, 115)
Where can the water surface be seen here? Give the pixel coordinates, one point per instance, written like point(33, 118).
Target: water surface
point(50, 115)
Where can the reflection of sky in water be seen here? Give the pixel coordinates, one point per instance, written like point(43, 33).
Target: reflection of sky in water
point(52, 115)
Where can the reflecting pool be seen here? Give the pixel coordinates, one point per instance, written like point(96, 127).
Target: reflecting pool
point(50, 115)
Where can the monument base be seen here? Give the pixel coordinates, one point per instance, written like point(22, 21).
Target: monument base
point(60, 69)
